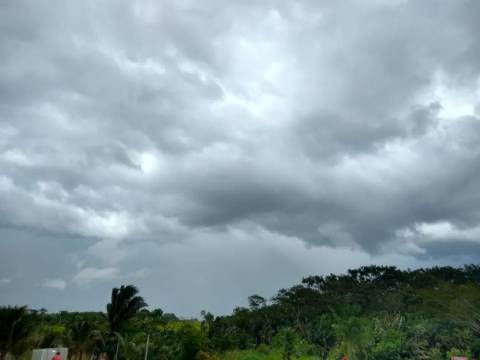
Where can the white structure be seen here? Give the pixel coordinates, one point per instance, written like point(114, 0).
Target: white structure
point(47, 354)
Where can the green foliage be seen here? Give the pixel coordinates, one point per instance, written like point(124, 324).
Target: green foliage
point(287, 342)
point(370, 313)
point(475, 348)
point(356, 336)
point(125, 303)
point(84, 338)
point(435, 354)
point(458, 352)
point(52, 336)
point(15, 330)
point(387, 349)
point(191, 342)
point(204, 355)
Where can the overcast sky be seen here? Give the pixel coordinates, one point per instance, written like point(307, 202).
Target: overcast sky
point(208, 150)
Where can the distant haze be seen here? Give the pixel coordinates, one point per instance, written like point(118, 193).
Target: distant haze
point(208, 150)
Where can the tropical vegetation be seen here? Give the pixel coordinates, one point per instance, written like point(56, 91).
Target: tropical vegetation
point(370, 313)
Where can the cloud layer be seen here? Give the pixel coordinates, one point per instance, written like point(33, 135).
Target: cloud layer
point(225, 148)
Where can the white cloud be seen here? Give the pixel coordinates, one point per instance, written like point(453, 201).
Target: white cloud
point(445, 231)
point(110, 251)
point(90, 274)
point(58, 284)
point(5, 281)
point(138, 274)
point(455, 100)
point(16, 156)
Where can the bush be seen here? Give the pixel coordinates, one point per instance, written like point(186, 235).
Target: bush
point(458, 352)
point(204, 355)
point(387, 350)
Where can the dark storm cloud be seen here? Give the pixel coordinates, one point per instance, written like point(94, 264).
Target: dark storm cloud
point(180, 135)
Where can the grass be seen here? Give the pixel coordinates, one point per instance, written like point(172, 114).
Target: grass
point(260, 354)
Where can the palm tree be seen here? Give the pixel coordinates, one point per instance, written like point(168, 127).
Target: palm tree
point(15, 330)
point(83, 338)
point(51, 338)
point(125, 303)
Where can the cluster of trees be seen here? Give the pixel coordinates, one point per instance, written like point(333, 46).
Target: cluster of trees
point(86, 334)
point(374, 312)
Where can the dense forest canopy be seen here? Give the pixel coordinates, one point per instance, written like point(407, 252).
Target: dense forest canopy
point(374, 312)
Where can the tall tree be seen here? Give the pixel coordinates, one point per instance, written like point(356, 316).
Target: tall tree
point(125, 303)
point(83, 337)
point(15, 330)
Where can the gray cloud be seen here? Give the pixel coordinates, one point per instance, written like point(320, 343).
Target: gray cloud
point(158, 142)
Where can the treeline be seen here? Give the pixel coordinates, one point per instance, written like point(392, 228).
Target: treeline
point(374, 312)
